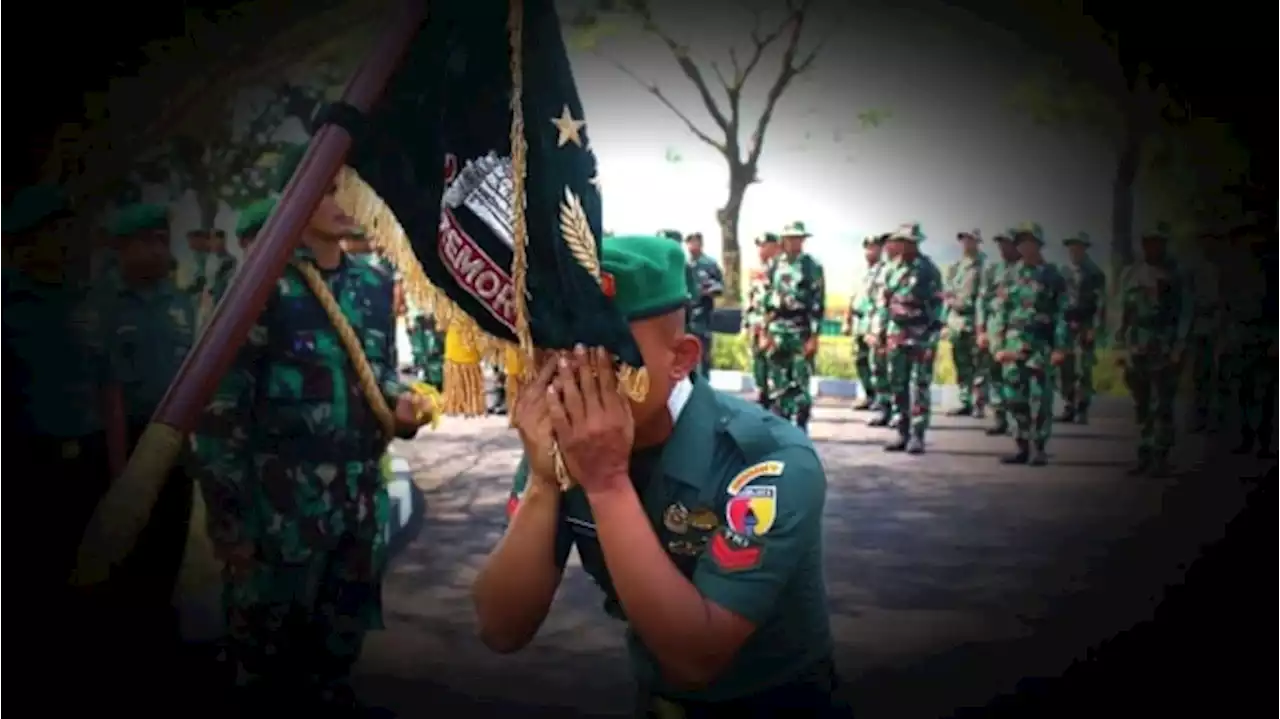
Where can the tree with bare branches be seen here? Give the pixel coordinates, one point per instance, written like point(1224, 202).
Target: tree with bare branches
point(786, 47)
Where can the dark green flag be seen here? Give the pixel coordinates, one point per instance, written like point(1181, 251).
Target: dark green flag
point(438, 150)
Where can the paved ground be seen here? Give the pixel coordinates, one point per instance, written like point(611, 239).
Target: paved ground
point(950, 576)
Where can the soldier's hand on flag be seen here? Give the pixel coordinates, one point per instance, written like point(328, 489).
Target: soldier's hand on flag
point(413, 410)
point(811, 346)
point(532, 421)
point(591, 420)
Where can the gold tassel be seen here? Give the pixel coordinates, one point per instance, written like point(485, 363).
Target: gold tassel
point(513, 364)
point(463, 374)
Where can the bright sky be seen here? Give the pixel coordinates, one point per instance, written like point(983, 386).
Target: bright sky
point(952, 156)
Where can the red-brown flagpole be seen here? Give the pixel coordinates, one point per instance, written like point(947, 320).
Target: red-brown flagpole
point(124, 511)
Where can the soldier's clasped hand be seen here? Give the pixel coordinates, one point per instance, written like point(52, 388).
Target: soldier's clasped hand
point(591, 420)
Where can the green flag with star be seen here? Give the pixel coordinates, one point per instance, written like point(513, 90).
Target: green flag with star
point(484, 109)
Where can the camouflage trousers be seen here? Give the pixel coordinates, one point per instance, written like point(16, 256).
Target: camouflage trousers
point(760, 370)
point(967, 358)
point(1076, 377)
point(1250, 374)
point(1206, 379)
point(878, 387)
point(299, 626)
point(1027, 386)
point(789, 373)
point(911, 388)
point(862, 367)
point(1153, 383)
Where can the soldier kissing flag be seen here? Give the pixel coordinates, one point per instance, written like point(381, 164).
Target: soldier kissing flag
point(479, 154)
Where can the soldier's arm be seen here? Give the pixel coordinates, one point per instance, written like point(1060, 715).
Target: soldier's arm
point(1061, 332)
point(513, 592)
point(980, 312)
point(221, 459)
point(1101, 299)
point(817, 300)
point(716, 286)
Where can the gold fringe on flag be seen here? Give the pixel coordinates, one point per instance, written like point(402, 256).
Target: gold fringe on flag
point(463, 374)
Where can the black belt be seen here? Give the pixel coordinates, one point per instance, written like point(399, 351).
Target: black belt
point(813, 694)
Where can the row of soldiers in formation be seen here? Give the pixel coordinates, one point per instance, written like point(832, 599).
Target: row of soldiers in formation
point(1021, 330)
point(88, 361)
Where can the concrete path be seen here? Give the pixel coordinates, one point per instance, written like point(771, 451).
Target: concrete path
point(950, 576)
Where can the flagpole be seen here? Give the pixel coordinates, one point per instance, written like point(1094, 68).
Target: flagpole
point(125, 510)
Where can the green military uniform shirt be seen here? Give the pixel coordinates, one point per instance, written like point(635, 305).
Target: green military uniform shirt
point(154, 330)
point(736, 497)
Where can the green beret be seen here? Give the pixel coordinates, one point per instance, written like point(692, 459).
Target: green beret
point(290, 158)
point(33, 206)
point(909, 232)
point(1161, 231)
point(1029, 228)
point(768, 238)
point(1081, 239)
point(648, 275)
point(253, 217)
point(134, 219)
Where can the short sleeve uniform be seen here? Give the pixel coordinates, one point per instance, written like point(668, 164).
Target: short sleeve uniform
point(736, 497)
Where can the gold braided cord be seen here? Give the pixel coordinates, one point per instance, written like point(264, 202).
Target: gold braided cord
point(519, 166)
point(351, 343)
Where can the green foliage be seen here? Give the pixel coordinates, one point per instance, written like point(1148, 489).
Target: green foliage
point(836, 359)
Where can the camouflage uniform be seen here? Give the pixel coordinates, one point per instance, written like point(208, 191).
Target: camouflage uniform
point(962, 285)
point(878, 356)
point(1086, 316)
point(1156, 311)
point(996, 275)
point(428, 350)
point(1206, 328)
point(1032, 309)
point(288, 454)
point(914, 297)
point(794, 307)
point(708, 283)
point(1248, 346)
point(753, 325)
point(862, 307)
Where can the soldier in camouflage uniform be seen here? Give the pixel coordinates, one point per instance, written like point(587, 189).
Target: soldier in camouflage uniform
point(877, 323)
point(1248, 346)
point(1156, 311)
point(288, 454)
point(1086, 315)
point(857, 320)
point(428, 349)
point(962, 286)
point(995, 276)
point(793, 307)
point(914, 294)
point(1207, 326)
point(753, 323)
point(708, 285)
point(1030, 340)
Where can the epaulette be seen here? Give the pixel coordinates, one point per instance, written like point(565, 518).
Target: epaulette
point(758, 433)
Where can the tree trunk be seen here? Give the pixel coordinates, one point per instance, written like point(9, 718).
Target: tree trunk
point(740, 178)
point(1128, 162)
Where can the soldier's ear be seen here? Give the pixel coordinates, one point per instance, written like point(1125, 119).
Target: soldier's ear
point(686, 355)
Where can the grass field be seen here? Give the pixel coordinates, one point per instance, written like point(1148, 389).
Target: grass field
point(836, 359)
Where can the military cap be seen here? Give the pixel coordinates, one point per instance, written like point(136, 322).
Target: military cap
point(1003, 236)
point(670, 234)
point(768, 238)
point(647, 275)
point(693, 235)
point(908, 232)
point(133, 219)
point(33, 206)
point(870, 240)
point(1161, 231)
point(254, 216)
point(974, 233)
point(290, 158)
point(1080, 238)
point(794, 229)
point(1028, 228)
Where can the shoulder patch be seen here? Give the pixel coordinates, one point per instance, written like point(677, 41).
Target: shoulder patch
point(771, 468)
